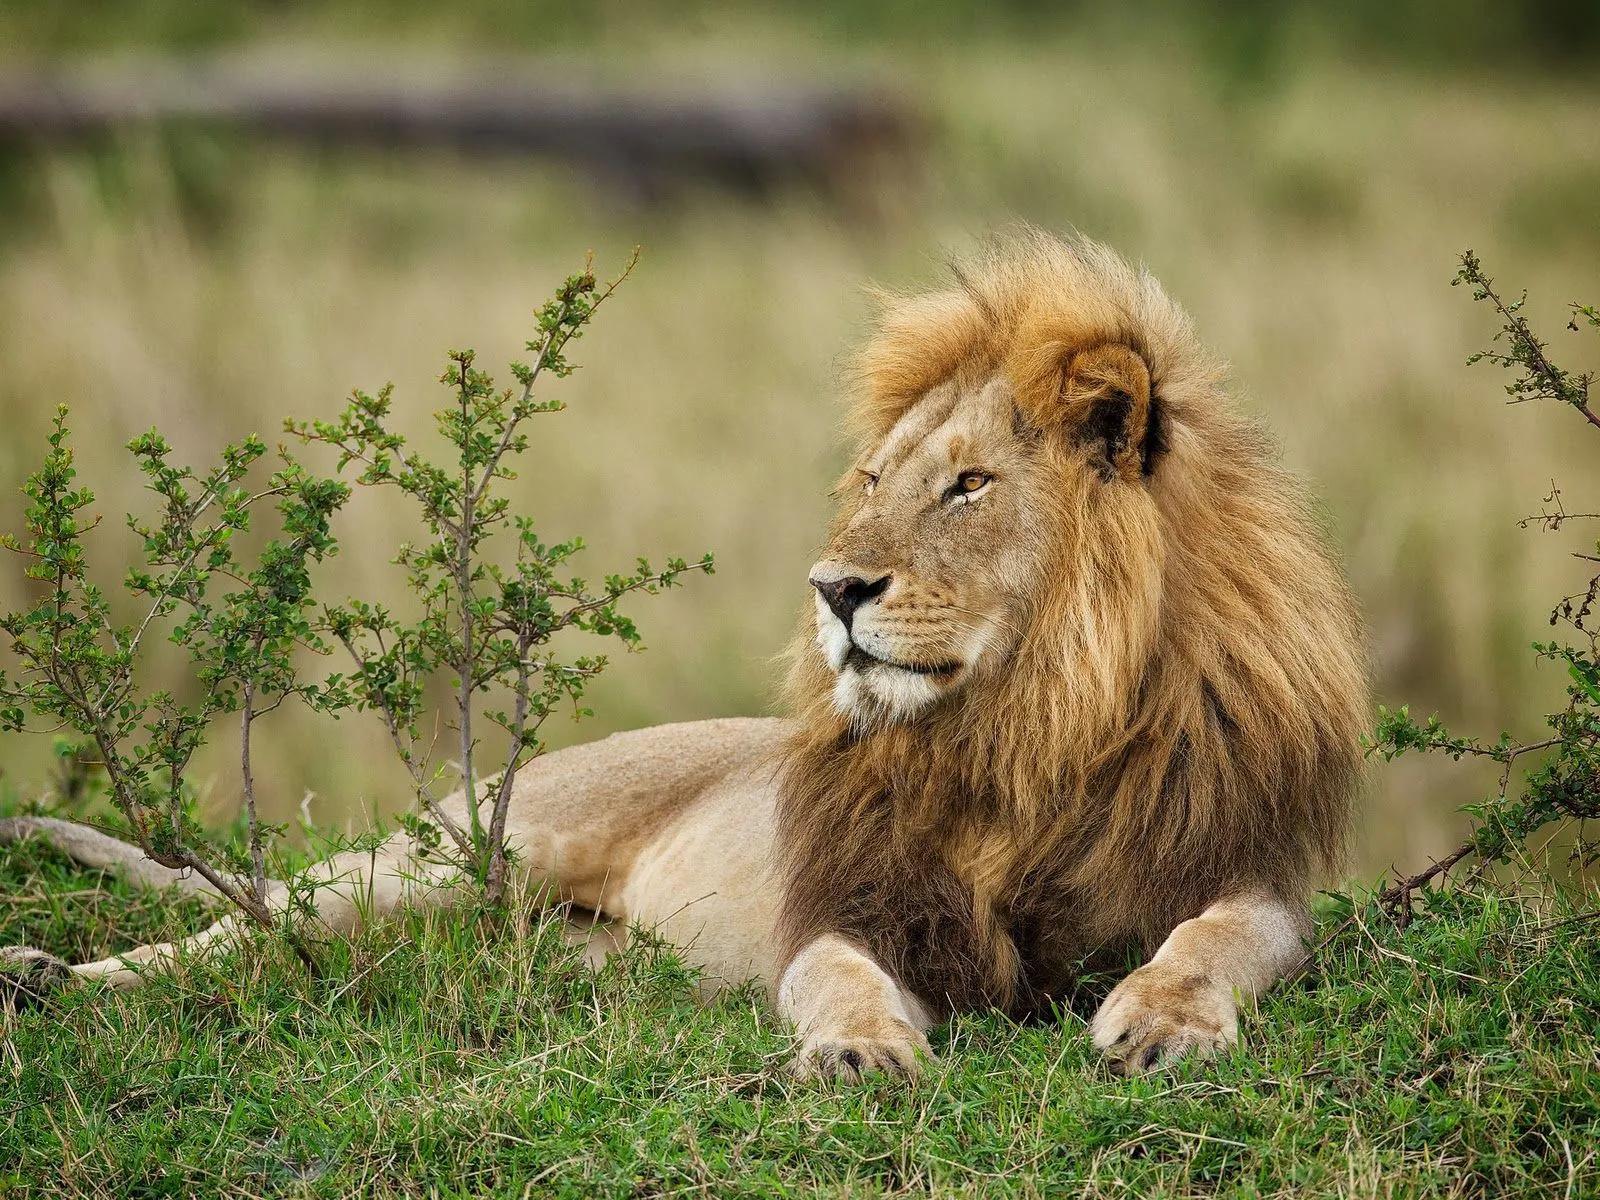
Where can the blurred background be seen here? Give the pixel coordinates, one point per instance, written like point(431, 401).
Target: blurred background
point(217, 214)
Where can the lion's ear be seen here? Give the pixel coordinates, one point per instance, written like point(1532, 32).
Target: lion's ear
point(1106, 405)
point(1099, 397)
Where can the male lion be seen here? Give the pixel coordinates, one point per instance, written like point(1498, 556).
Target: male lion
point(1080, 681)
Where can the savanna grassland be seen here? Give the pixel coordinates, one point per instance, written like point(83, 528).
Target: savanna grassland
point(439, 1058)
point(1307, 208)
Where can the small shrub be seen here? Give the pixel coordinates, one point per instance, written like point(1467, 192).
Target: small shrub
point(238, 622)
point(247, 623)
point(485, 625)
point(1564, 788)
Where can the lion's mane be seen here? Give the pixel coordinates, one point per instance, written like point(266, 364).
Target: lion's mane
point(1180, 720)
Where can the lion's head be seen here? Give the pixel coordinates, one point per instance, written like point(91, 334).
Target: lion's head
point(1003, 512)
point(975, 505)
point(1072, 623)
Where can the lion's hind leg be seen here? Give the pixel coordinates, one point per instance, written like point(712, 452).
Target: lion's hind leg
point(603, 827)
point(29, 975)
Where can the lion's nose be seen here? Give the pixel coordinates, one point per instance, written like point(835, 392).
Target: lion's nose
point(846, 595)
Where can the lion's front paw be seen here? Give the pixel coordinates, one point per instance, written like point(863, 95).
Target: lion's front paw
point(848, 1056)
point(1159, 1014)
point(29, 976)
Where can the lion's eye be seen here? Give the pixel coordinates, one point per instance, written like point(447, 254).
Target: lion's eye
point(970, 483)
point(870, 482)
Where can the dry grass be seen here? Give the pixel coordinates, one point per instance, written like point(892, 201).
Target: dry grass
point(1311, 230)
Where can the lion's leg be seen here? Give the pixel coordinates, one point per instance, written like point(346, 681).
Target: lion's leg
point(1185, 998)
point(852, 1017)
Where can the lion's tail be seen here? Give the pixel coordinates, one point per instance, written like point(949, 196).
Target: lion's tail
point(346, 891)
point(88, 846)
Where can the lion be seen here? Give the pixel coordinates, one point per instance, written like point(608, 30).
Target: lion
point(1079, 681)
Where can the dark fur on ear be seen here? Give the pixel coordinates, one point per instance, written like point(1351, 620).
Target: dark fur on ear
point(1099, 394)
point(1155, 436)
point(1105, 404)
point(1105, 431)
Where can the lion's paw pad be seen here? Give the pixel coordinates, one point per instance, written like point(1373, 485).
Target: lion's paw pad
point(1155, 1017)
point(848, 1059)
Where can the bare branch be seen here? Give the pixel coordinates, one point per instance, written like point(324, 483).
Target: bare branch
point(257, 855)
point(419, 786)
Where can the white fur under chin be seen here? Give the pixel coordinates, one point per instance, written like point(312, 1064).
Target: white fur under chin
point(898, 695)
point(903, 694)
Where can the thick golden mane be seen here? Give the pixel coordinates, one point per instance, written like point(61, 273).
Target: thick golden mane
point(1181, 717)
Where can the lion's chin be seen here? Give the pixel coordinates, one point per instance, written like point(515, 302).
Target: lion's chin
point(869, 689)
point(882, 692)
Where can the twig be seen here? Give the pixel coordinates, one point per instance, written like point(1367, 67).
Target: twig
point(1580, 919)
point(466, 598)
point(420, 789)
point(494, 884)
point(1575, 393)
point(247, 776)
point(1397, 898)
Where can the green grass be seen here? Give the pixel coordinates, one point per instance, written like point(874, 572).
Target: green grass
point(1457, 1057)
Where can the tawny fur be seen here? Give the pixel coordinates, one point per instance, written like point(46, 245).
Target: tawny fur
point(1180, 720)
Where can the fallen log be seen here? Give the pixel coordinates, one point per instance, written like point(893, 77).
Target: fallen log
point(749, 138)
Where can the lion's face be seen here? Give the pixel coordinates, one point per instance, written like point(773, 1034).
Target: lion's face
point(923, 585)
